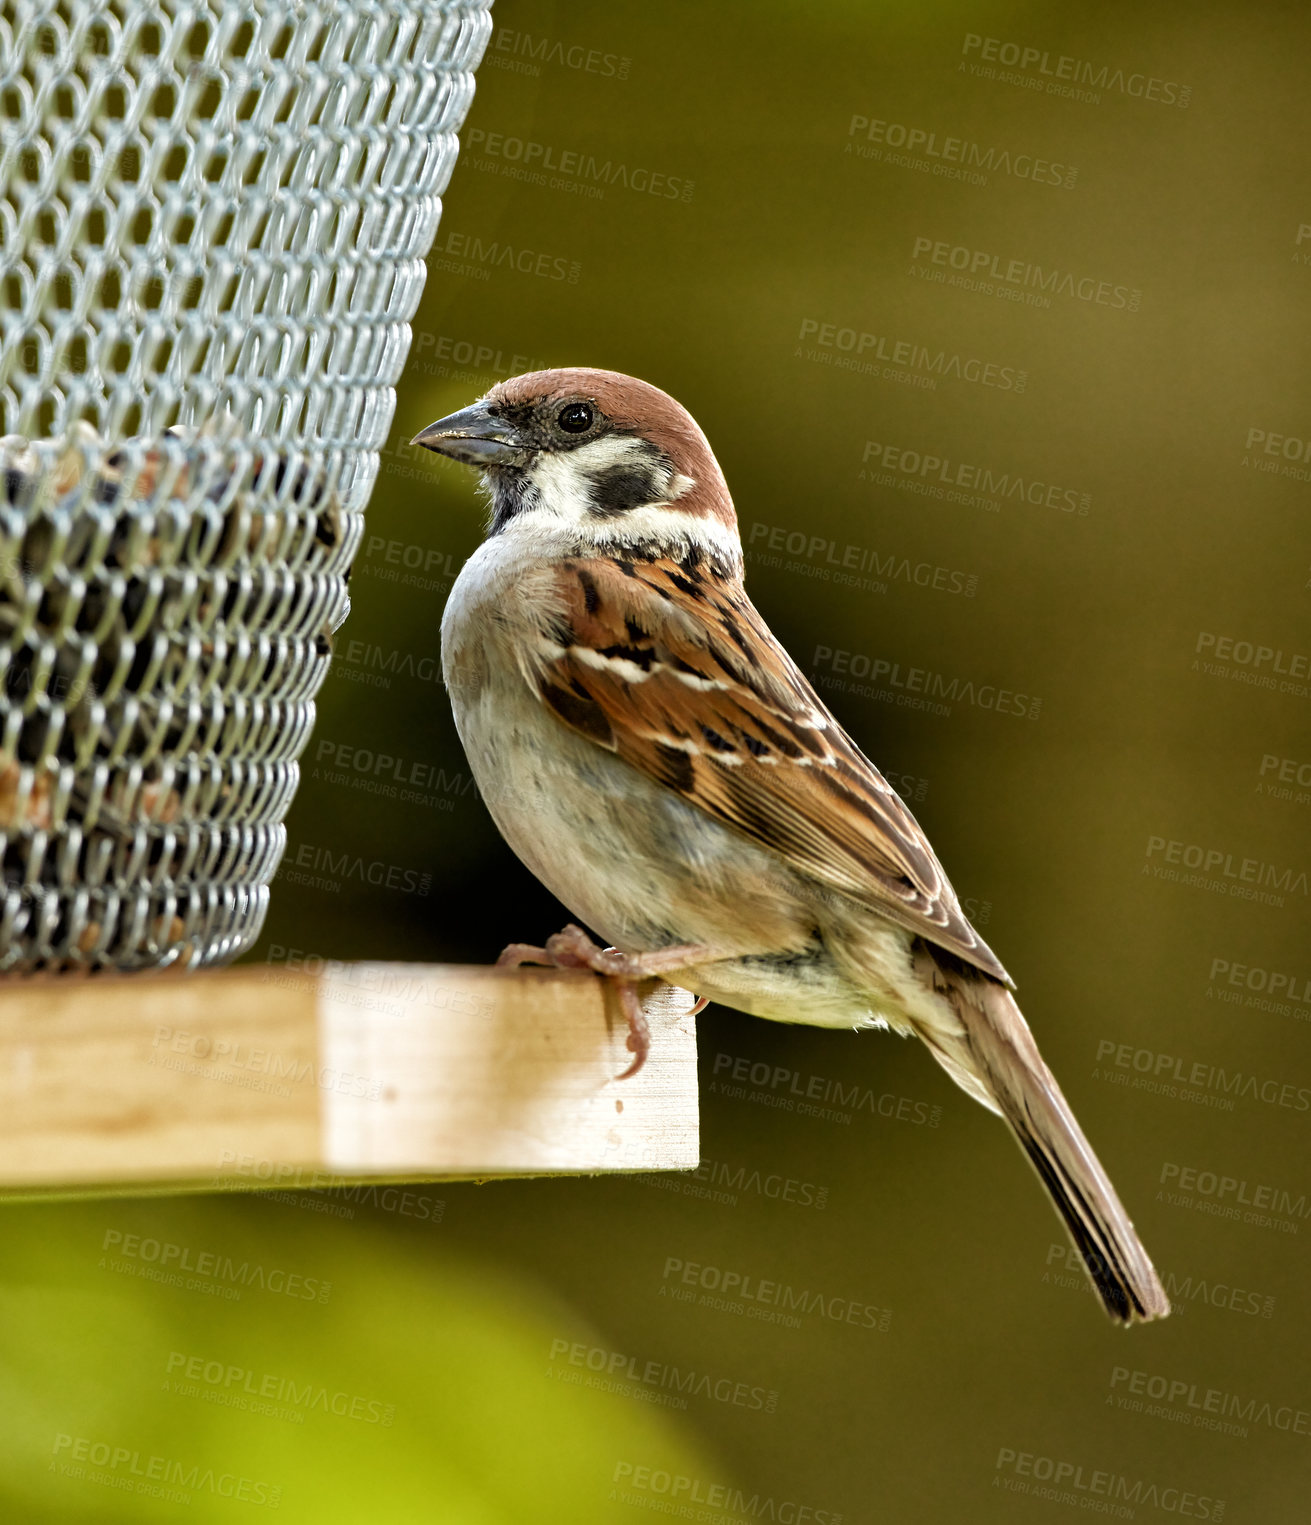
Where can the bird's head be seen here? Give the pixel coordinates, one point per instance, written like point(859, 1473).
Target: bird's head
point(610, 459)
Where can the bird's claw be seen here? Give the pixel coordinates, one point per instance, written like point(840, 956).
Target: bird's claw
point(572, 948)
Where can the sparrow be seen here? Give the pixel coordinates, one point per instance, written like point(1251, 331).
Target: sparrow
point(654, 756)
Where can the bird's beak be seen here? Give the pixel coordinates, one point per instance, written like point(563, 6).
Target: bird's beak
point(477, 436)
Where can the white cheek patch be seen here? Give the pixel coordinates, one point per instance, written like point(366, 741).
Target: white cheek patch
point(610, 450)
point(564, 479)
point(560, 511)
point(563, 491)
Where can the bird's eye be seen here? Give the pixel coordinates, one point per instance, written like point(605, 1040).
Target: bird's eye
point(574, 417)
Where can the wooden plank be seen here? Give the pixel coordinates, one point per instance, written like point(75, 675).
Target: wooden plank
point(150, 1076)
point(259, 1076)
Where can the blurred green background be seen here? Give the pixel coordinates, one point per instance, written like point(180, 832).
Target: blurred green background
point(1164, 398)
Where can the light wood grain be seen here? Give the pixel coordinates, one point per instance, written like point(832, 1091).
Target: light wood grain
point(259, 1075)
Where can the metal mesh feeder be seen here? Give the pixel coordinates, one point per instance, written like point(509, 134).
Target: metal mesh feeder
point(212, 231)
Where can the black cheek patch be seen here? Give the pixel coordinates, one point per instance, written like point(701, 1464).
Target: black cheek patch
point(619, 488)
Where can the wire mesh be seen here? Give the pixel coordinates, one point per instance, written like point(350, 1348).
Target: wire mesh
point(213, 223)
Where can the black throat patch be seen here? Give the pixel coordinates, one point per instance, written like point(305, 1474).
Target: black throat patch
point(511, 494)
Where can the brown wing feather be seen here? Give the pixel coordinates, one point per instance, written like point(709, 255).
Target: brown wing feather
point(669, 665)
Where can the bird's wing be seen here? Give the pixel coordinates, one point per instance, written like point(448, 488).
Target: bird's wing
point(668, 665)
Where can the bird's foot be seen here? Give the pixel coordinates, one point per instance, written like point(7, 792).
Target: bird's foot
point(572, 948)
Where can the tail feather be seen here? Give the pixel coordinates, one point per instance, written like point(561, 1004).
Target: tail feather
point(995, 1059)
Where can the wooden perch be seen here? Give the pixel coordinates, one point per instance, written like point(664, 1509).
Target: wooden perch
point(260, 1076)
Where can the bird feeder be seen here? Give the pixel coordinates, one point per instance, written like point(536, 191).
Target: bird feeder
point(213, 223)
